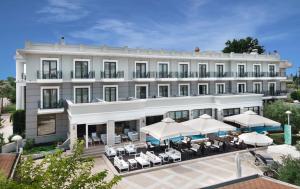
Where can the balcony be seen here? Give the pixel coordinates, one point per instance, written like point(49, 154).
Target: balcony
point(112, 76)
point(49, 77)
point(83, 78)
point(23, 76)
point(52, 108)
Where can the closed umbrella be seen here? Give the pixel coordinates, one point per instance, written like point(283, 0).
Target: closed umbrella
point(238, 165)
point(167, 129)
point(255, 139)
point(205, 124)
point(251, 119)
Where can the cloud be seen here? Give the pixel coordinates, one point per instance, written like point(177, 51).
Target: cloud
point(63, 11)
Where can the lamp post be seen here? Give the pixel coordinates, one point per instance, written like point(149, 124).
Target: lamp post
point(288, 115)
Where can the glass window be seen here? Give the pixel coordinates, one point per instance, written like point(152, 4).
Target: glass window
point(81, 95)
point(141, 92)
point(255, 109)
point(202, 89)
point(241, 70)
point(256, 70)
point(197, 113)
point(183, 70)
point(220, 88)
point(202, 70)
point(179, 116)
point(241, 88)
point(184, 90)
point(50, 98)
point(163, 70)
point(163, 91)
point(110, 69)
point(110, 94)
point(81, 69)
point(272, 88)
point(141, 70)
point(272, 69)
point(230, 112)
point(220, 70)
point(46, 124)
point(49, 69)
point(257, 88)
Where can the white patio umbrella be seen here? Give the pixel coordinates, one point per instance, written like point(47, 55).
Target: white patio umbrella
point(16, 139)
point(251, 119)
point(284, 150)
point(205, 124)
point(167, 129)
point(255, 139)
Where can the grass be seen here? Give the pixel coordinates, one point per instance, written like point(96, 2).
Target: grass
point(279, 138)
point(9, 109)
point(39, 149)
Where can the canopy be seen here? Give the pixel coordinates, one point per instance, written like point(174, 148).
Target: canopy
point(168, 128)
point(251, 119)
point(205, 125)
point(255, 139)
point(284, 149)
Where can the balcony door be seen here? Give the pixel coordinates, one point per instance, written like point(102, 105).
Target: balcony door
point(202, 70)
point(272, 88)
point(184, 90)
point(183, 70)
point(50, 98)
point(163, 70)
point(110, 69)
point(241, 70)
point(220, 88)
point(163, 90)
point(256, 69)
point(202, 89)
point(81, 69)
point(241, 87)
point(49, 69)
point(141, 70)
point(141, 91)
point(271, 70)
point(257, 88)
point(220, 70)
point(110, 93)
point(82, 95)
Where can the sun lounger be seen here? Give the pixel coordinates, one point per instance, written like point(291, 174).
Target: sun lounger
point(95, 138)
point(103, 138)
point(133, 136)
point(117, 139)
point(130, 149)
point(155, 160)
point(89, 139)
point(110, 151)
point(121, 164)
point(173, 154)
point(142, 159)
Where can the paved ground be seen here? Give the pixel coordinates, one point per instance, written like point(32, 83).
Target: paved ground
point(7, 130)
point(202, 172)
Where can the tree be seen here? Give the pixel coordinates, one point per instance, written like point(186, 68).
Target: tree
point(5, 91)
point(60, 171)
point(243, 45)
point(288, 170)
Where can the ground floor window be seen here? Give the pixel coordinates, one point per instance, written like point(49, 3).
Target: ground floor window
point(241, 87)
point(82, 94)
point(255, 109)
point(220, 88)
point(141, 91)
point(197, 113)
point(231, 111)
point(110, 93)
point(184, 90)
point(46, 125)
point(163, 90)
point(154, 119)
point(179, 116)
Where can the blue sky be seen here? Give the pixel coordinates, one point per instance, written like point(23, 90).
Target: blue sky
point(168, 24)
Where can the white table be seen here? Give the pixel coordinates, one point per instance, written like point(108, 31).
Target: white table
point(132, 163)
point(121, 151)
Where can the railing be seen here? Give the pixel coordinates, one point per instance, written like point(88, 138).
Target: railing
point(49, 75)
point(89, 75)
point(23, 76)
point(111, 75)
point(51, 105)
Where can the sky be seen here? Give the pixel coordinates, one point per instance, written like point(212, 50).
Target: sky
point(159, 24)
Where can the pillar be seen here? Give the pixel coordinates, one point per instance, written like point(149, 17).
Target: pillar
point(110, 132)
point(142, 123)
point(86, 136)
point(220, 114)
point(72, 135)
point(261, 110)
point(241, 110)
point(190, 114)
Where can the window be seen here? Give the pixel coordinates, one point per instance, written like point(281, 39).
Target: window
point(272, 88)
point(183, 70)
point(202, 70)
point(241, 70)
point(271, 70)
point(256, 70)
point(140, 69)
point(49, 69)
point(255, 109)
point(163, 70)
point(257, 87)
point(199, 112)
point(46, 124)
point(220, 70)
point(179, 116)
point(230, 112)
point(82, 94)
point(110, 93)
point(110, 69)
point(141, 91)
point(49, 98)
point(163, 90)
point(184, 89)
point(203, 89)
point(220, 88)
point(241, 87)
point(81, 69)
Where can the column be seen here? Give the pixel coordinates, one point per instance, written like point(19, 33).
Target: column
point(72, 135)
point(110, 132)
point(220, 114)
point(142, 123)
point(86, 136)
point(261, 110)
point(190, 114)
point(241, 110)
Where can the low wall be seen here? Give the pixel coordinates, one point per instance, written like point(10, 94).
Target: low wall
point(11, 147)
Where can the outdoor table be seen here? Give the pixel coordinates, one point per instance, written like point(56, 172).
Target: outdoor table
point(121, 151)
point(164, 157)
point(132, 163)
point(124, 137)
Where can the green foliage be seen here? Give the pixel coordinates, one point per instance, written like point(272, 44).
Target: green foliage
point(243, 45)
point(10, 109)
point(276, 111)
point(288, 171)
point(278, 138)
point(29, 143)
point(61, 171)
point(39, 149)
point(18, 118)
point(295, 95)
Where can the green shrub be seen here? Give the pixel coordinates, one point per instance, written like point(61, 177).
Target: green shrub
point(18, 118)
point(9, 109)
point(295, 95)
point(30, 142)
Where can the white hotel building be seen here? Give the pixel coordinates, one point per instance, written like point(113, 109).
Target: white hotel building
point(71, 91)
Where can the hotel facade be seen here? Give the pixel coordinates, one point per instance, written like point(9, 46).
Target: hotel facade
point(72, 91)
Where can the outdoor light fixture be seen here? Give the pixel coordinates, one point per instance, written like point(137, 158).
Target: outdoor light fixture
point(288, 114)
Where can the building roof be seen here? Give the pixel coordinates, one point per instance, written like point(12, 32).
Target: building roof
point(7, 162)
point(253, 182)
